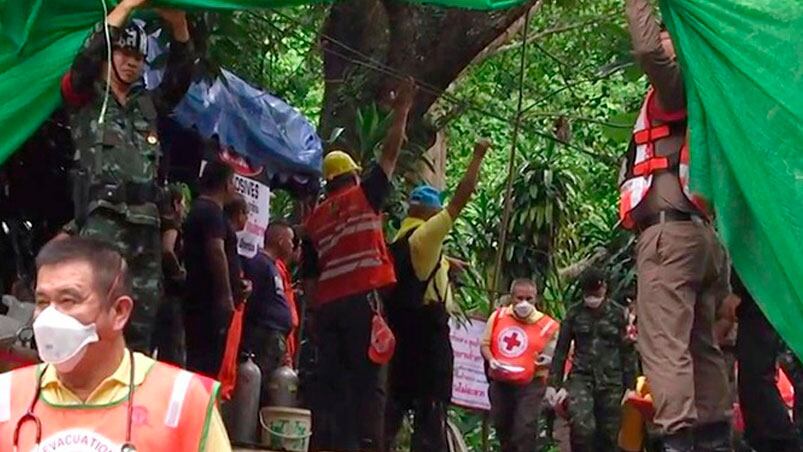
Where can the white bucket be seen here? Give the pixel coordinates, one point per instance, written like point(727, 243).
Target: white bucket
point(287, 429)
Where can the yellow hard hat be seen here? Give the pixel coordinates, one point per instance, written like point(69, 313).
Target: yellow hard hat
point(337, 163)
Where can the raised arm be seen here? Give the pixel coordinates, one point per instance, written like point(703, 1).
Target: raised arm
point(178, 72)
point(396, 134)
point(468, 184)
point(660, 66)
point(77, 85)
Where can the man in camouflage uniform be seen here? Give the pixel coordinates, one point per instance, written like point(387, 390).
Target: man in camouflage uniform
point(603, 367)
point(115, 188)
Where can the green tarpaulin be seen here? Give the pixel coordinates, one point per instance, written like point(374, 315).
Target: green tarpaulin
point(743, 67)
point(39, 38)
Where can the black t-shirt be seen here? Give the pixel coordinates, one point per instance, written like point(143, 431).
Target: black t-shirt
point(205, 222)
point(235, 263)
point(376, 188)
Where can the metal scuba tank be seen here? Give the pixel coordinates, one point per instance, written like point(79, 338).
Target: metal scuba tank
point(283, 388)
point(241, 413)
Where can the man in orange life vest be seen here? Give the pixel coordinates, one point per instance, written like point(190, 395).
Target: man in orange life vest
point(345, 261)
point(282, 265)
point(83, 298)
point(677, 255)
point(518, 345)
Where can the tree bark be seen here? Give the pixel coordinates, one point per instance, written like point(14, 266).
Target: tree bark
point(369, 45)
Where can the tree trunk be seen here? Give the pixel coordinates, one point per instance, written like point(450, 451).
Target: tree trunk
point(369, 45)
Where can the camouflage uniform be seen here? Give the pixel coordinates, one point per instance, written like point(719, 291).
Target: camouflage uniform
point(115, 190)
point(602, 368)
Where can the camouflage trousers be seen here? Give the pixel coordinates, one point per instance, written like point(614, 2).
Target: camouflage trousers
point(595, 415)
point(141, 246)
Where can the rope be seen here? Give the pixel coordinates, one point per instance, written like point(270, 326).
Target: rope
point(511, 164)
point(109, 62)
point(370, 63)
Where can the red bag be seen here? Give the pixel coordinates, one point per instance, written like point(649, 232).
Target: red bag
point(383, 342)
point(228, 367)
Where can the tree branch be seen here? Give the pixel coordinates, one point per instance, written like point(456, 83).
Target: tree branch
point(556, 30)
point(574, 270)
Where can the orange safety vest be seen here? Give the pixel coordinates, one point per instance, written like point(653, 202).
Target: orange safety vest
point(635, 178)
point(518, 344)
point(352, 256)
point(170, 412)
point(290, 296)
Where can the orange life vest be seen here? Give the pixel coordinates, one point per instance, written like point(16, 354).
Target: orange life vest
point(635, 178)
point(518, 344)
point(170, 413)
point(347, 235)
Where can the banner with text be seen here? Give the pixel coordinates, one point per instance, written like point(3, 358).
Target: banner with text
point(257, 195)
point(469, 383)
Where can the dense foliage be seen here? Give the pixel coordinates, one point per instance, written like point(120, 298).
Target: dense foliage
point(580, 93)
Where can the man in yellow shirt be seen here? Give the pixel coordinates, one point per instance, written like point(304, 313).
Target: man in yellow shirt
point(420, 377)
point(92, 390)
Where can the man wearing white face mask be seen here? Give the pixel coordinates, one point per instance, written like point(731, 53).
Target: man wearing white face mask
point(603, 367)
point(518, 344)
point(83, 297)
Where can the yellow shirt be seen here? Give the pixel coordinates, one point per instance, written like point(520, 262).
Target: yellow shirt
point(426, 246)
point(116, 386)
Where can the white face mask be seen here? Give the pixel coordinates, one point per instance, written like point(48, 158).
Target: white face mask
point(593, 302)
point(523, 309)
point(61, 339)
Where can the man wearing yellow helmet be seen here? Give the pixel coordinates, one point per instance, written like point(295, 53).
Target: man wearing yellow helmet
point(345, 261)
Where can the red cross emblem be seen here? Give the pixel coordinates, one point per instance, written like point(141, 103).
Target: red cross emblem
point(512, 342)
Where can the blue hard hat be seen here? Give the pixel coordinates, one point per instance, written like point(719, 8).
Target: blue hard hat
point(426, 195)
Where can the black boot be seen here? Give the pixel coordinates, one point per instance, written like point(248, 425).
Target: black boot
point(682, 441)
point(714, 437)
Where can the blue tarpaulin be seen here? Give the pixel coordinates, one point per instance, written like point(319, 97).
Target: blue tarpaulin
point(261, 128)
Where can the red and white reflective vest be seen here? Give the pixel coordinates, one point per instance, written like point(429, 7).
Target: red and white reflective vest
point(517, 344)
point(170, 412)
point(352, 256)
point(635, 179)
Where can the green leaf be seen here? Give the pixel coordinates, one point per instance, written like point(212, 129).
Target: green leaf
point(620, 126)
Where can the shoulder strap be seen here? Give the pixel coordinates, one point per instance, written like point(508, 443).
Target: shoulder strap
point(435, 269)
